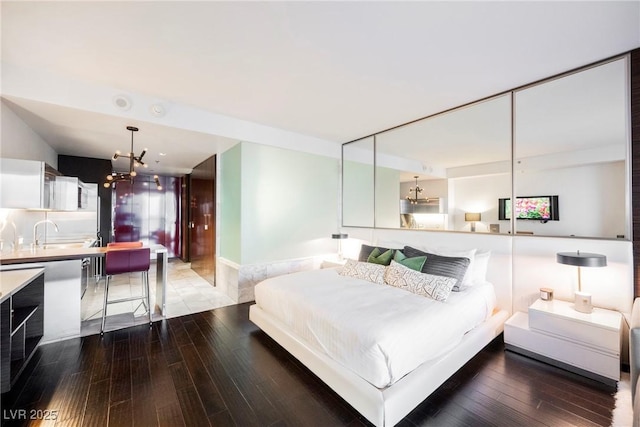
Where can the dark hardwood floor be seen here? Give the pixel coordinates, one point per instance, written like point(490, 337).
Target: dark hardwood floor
point(216, 368)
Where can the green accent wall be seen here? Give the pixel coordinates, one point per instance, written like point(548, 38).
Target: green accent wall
point(230, 204)
point(289, 203)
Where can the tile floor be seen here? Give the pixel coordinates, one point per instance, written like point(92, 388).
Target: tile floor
point(186, 293)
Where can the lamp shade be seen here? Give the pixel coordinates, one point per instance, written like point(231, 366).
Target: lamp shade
point(339, 236)
point(472, 216)
point(581, 259)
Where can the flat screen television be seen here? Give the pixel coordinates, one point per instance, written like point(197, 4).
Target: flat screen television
point(539, 208)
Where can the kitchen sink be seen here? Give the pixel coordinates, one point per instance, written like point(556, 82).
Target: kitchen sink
point(67, 245)
point(62, 245)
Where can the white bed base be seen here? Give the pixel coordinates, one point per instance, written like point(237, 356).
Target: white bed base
point(383, 407)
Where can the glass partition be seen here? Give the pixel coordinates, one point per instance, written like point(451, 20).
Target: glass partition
point(358, 183)
point(571, 144)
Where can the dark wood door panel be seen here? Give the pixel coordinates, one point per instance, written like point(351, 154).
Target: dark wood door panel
point(202, 225)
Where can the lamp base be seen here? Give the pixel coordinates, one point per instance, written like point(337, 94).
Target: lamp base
point(582, 302)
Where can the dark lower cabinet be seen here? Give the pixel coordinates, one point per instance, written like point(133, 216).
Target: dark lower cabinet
point(21, 321)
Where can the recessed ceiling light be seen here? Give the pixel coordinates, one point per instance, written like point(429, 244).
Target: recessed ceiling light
point(123, 102)
point(162, 154)
point(157, 110)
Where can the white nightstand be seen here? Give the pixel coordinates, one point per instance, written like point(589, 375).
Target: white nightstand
point(552, 331)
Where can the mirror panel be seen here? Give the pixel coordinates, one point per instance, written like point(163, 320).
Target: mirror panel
point(571, 139)
point(460, 161)
point(358, 183)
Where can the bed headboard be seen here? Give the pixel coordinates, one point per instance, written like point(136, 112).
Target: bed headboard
point(499, 270)
point(520, 265)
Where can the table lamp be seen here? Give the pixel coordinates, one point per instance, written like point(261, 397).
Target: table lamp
point(582, 259)
point(339, 237)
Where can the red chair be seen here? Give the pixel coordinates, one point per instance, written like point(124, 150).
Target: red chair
point(123, 260)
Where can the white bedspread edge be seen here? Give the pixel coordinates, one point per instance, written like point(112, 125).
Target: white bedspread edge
point(388, 406)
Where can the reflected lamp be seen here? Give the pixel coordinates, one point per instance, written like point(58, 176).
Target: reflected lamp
point(472, 217)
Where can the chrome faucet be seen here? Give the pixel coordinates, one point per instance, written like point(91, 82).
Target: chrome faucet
point(36, 243)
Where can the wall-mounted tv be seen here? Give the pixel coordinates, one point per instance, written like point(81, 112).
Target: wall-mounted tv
point(540, 208)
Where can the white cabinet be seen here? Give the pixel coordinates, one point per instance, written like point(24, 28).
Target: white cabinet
point(553, 331)
point(26, 184)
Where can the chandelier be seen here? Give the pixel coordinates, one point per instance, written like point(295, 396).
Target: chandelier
point(415, 191)
point(134, 161)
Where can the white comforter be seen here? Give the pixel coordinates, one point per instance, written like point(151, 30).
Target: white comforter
point(378, 331)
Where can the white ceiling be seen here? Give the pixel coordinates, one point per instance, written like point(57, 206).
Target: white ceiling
point(332, 70)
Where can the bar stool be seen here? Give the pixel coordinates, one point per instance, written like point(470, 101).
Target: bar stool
point(114, 245)
point(122, 260)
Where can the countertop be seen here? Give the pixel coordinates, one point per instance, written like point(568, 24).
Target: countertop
point(50, 254)
point(61, 254)
point(13, 280)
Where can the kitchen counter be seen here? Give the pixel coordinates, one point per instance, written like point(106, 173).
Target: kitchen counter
point(50, 254)
point(62, 265)
point(12, 281)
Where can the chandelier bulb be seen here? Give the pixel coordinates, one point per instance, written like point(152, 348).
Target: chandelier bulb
point(106, 185)
point(109, 177)
point(133, 173)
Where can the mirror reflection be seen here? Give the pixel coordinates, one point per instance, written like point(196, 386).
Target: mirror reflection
point(358, 183)
point(433, 173)
point(571, 144)
point(452, 171)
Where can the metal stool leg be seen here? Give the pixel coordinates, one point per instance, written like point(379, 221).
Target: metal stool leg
point(146, 285)
point(104, 305)
point(145, 290)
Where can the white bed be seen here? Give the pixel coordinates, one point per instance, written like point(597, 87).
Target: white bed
point(354, 335)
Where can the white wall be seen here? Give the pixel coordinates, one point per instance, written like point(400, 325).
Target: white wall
point(289, 201)
point(19, 141)
point(591, 199)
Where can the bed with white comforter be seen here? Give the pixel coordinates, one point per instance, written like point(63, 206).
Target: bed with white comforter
point(379, 332)
point(384, 337)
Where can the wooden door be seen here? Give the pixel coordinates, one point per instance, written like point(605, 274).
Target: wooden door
point(202, 221)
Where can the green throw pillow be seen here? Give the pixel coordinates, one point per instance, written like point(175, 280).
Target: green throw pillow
point(380, 258)
point(415, 263)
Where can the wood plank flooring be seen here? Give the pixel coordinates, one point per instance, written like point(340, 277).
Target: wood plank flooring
point(217, 368)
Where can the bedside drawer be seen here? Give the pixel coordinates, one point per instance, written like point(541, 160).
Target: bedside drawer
point(599, 330)
point(518, 335)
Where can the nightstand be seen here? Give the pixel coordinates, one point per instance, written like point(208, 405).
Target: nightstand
point(552, 331)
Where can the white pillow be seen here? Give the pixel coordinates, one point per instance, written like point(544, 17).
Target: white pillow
point(480, 265)
point(428, 285)
point(364, 270)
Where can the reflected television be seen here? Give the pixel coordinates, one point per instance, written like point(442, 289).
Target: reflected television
point(538, 208)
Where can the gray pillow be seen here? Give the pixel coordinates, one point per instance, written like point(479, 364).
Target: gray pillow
point(365, 251)
point(439, 265)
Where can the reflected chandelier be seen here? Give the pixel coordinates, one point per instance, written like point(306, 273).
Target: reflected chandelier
point(134, 161)
point(414, 200)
